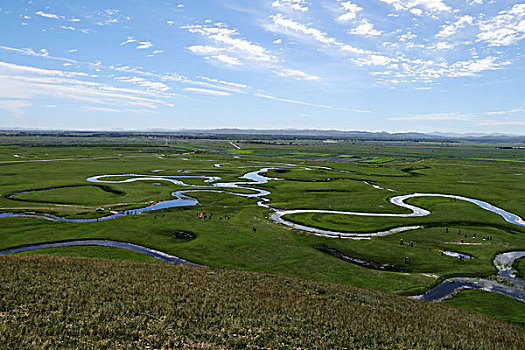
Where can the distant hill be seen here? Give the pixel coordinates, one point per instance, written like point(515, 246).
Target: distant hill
point(284, 134)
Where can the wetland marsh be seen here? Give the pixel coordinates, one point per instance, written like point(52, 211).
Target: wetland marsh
point(439, 198)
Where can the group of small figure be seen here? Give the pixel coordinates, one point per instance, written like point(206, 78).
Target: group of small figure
point(408, 260)
point(205, 216)
point(485, 238)
point(402, 242)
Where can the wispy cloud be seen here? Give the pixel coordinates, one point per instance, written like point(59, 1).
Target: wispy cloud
point(309, 104)
point(228, 47)
point(502, 122)
point(451, 29)
point(365, 28)
point(296, 74)
point(15, 107)
point(430, 5)
point(229, 40)
point(30, 52)
point(351, 11)
point(144, 45)
point(47, 15)
point(25, 82)
point(208, 91)
point(510, 111)
point(507, 28)
point(82, 30)
point(129, 40)
point(296, 5)
point(436, 117)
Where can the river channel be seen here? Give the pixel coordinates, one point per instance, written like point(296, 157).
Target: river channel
point(504, 282)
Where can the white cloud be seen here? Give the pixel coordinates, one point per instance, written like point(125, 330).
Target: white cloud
point(416, 12)
point(296, 5)
point(15, 107)
point(205, 50)
point(208, 91)
point(47, 15)
point(436, 117)
point(502, 122)
point(469, 68)
point(511, 111)
point(29, 52)
point(308, 104)
point(18, 69)
point(277, 41)
point(150, 85)
point(504, 29)
point(82, 30)
point(231, 50)
point(229, 83)
point(373, 60)
point(296, 74)
point(24, 82)
point(129, 40)
point(228, 40)
point(407, 36)
point(365, 28)
point(101, 109)
point(291, 26)
point(431, 5)
point(229, 60)
point(351, 11)
point(451, 29)
point(144, 45)
point(442, 45)
point(109, 17)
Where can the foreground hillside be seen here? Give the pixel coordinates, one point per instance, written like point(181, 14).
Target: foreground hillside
point(50, 302)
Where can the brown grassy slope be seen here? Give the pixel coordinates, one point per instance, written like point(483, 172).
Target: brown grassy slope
point(50, 302)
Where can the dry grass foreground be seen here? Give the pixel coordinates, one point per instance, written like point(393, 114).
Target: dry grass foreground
point(50, 302)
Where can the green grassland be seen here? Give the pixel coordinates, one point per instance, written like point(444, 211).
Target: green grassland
point(59, 187)
point(93, 252)
point(498, 306)
point(519, 265)
point(102, 304)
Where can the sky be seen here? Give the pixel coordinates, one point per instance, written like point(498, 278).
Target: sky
point(370, 65)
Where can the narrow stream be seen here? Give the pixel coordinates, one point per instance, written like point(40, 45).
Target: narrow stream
point(105, 243)
point(504, 281)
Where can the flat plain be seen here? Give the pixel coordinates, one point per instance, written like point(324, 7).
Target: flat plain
point(47, 175)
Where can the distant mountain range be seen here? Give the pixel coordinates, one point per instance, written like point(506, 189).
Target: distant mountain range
point(297, 133)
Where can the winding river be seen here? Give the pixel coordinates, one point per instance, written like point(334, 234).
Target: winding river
point(172, 259)
point(505, 282)
point(257, 178)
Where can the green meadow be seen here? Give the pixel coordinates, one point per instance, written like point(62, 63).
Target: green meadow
point(53, 173)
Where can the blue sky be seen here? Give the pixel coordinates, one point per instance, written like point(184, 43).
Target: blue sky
point(375, 65)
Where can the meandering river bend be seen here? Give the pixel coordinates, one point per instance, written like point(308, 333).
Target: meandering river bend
point(505, 282)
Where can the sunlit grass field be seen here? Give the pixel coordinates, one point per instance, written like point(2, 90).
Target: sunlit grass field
point(103, 304)
point(334, 182)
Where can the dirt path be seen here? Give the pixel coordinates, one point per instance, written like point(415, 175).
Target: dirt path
point(234, 145)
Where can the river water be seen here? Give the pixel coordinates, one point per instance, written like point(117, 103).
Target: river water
point(504, 282)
